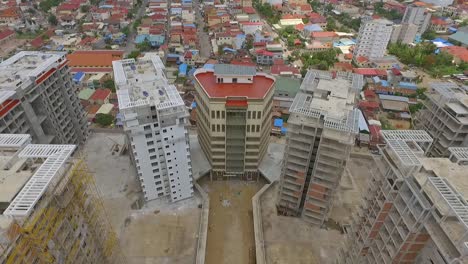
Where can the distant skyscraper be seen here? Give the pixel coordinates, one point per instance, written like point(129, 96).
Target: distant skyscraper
point(322, 127)
point(373, 38)
point(234, 118)
point(418, 16)
point(155, 120)
point(38, 97)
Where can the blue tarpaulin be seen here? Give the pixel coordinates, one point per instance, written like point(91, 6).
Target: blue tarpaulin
point(208, 66)
point(183, 69)
point(78, 77)
point(407, 85)
point(194, 104)
point(284, 130)
point(278, 122)
point(384, 83)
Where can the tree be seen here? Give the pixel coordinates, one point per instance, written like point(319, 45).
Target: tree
point(134, 54)
point(126, 31)
point(429, 34)
point(84, 9)
point(104, 119)
point(52, 20)
point(109, 84)
point(144, 46)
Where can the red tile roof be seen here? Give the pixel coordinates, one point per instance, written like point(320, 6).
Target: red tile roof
point(100, 94)
point(68, 7)
point(248, 10)
point(6, 33)
point(395, 71)
point(256, 90)
point(324, 34)
point(278, 69)
point(94, 58)
point(264, 52)
point(369, 105)
point(370, 72)
point(458, 52)
point(438, 21)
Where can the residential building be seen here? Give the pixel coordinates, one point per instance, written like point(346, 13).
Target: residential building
point(93, 61)
point(6, 35)
point(322, 127)
point(445, 117)
point(404, 33)
point(286, 89)
point(51, 211)
point(373, 38)
point(155, 120)
point(234, 118)
point(440, 25)
point(38, 97)
point(441, 3)
point(264, 57)
point(460, 37)
point(414, 208)
point(418, 16)
point(460, 54)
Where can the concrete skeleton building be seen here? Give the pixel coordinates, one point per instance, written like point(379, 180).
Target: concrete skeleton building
point(404, 33)
point(38, 97)
point(234, 118)
point(373, 38)
point(155, 120)
point(322, 127)
point(445, 117)
point(50, 208)
point(418, 16)
point(415, 208)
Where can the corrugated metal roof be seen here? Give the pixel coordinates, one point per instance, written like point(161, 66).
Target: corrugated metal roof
point(393, 98)
point(227, 69)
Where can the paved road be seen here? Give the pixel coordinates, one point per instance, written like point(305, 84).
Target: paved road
point(131, 37)
point(203, 38)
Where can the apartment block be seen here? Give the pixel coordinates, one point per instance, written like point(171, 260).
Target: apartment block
point(415, 209)
point(234, 118)
point(418, 16)
point(155, 121)
point(322, 129)
point(445, 117)
point(50, 209)
point(404, 33)
point(38, 97)
point(373, 38)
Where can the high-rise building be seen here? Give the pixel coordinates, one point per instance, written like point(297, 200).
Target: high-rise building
point(155, 120)
point(373, 38)
point(234, 118)
point(445, 117)
point(441, 3)
point(404, 33)
point(415, 208)
point(418, 16)
point(50, 209)
point(322, 128)
point(38, 97)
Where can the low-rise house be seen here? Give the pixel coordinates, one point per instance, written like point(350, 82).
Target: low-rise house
point(460, 54)
point(439, 25)
point(100, 96)
point(6, 35)
point(264, 57)
point(251, 27)
point(317, 46)
point(316, 18)
point(324, 37)
point(460, 37)
point(309, 28)
point(93, 61)
point(9, 15)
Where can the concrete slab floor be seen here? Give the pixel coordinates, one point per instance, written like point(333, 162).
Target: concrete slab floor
point(230, 224)
point(159, 232)
point(291, 240)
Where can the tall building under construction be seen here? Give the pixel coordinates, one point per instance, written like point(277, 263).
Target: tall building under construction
point(50, 208)
point(321, 132)
point(415, 209)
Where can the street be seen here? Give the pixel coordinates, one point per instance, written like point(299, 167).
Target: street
point(203, 38)
point(131, 37)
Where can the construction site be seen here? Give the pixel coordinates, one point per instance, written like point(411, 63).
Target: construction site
point(51, 208)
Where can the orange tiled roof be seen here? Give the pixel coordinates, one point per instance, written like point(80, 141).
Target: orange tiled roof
point(94, 58)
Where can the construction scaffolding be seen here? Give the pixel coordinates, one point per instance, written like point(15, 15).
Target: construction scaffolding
point(58, 217)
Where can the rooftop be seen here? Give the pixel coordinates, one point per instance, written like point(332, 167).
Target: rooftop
point(25, 67)
point(144, 83)
point(452, 97)
point(261, 84)
point(235, 70)
point(93, 58)
point(330, 95)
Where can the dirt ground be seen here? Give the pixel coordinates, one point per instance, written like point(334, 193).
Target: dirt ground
point(159, 233)
point(400, 124)
point(230, 224)
point(291, 240)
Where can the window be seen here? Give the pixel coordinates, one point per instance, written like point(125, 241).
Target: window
point(259, 114)
point(223, 128)
point(223, 114)
point(212, 114)
point(258, 128)
point(254, 114)
point(248, 128)
point(213, 128)
point(234, 80)
point(217, 115)
point(249, 113)
point(218, 128)
point(156, 171)
point(148, 135)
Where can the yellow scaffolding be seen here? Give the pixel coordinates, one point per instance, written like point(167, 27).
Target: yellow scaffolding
point(32, 239)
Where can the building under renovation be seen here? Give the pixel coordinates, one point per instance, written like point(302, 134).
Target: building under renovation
point(415, 209)
point(155, 120)
point(321, 132)
point(50, 208)
point(38, 97)
point(445, 117)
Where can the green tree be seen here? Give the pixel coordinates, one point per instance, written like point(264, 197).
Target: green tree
point(144, 46)
point(126, 30)
point(84, 8)
point(414, 108)
point(52, 20)
point(429, 34)
point(109, 84)
point(104, 119)
point(134, 54)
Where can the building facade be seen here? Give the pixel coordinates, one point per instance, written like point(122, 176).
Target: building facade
point(445, 117)
point(415, 207)
point(155, 120)
point(373, 38)
point(322, 128)
point(404, 33)
point(418, 16)
point(38, 97)
point(234, 118)
point(50, 209)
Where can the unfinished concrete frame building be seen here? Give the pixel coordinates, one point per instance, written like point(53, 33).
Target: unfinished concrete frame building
point(445, 117)
point(321, 132)
point(51, 211)
point(38, 97)
point(155, 120)
point(415, 209)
